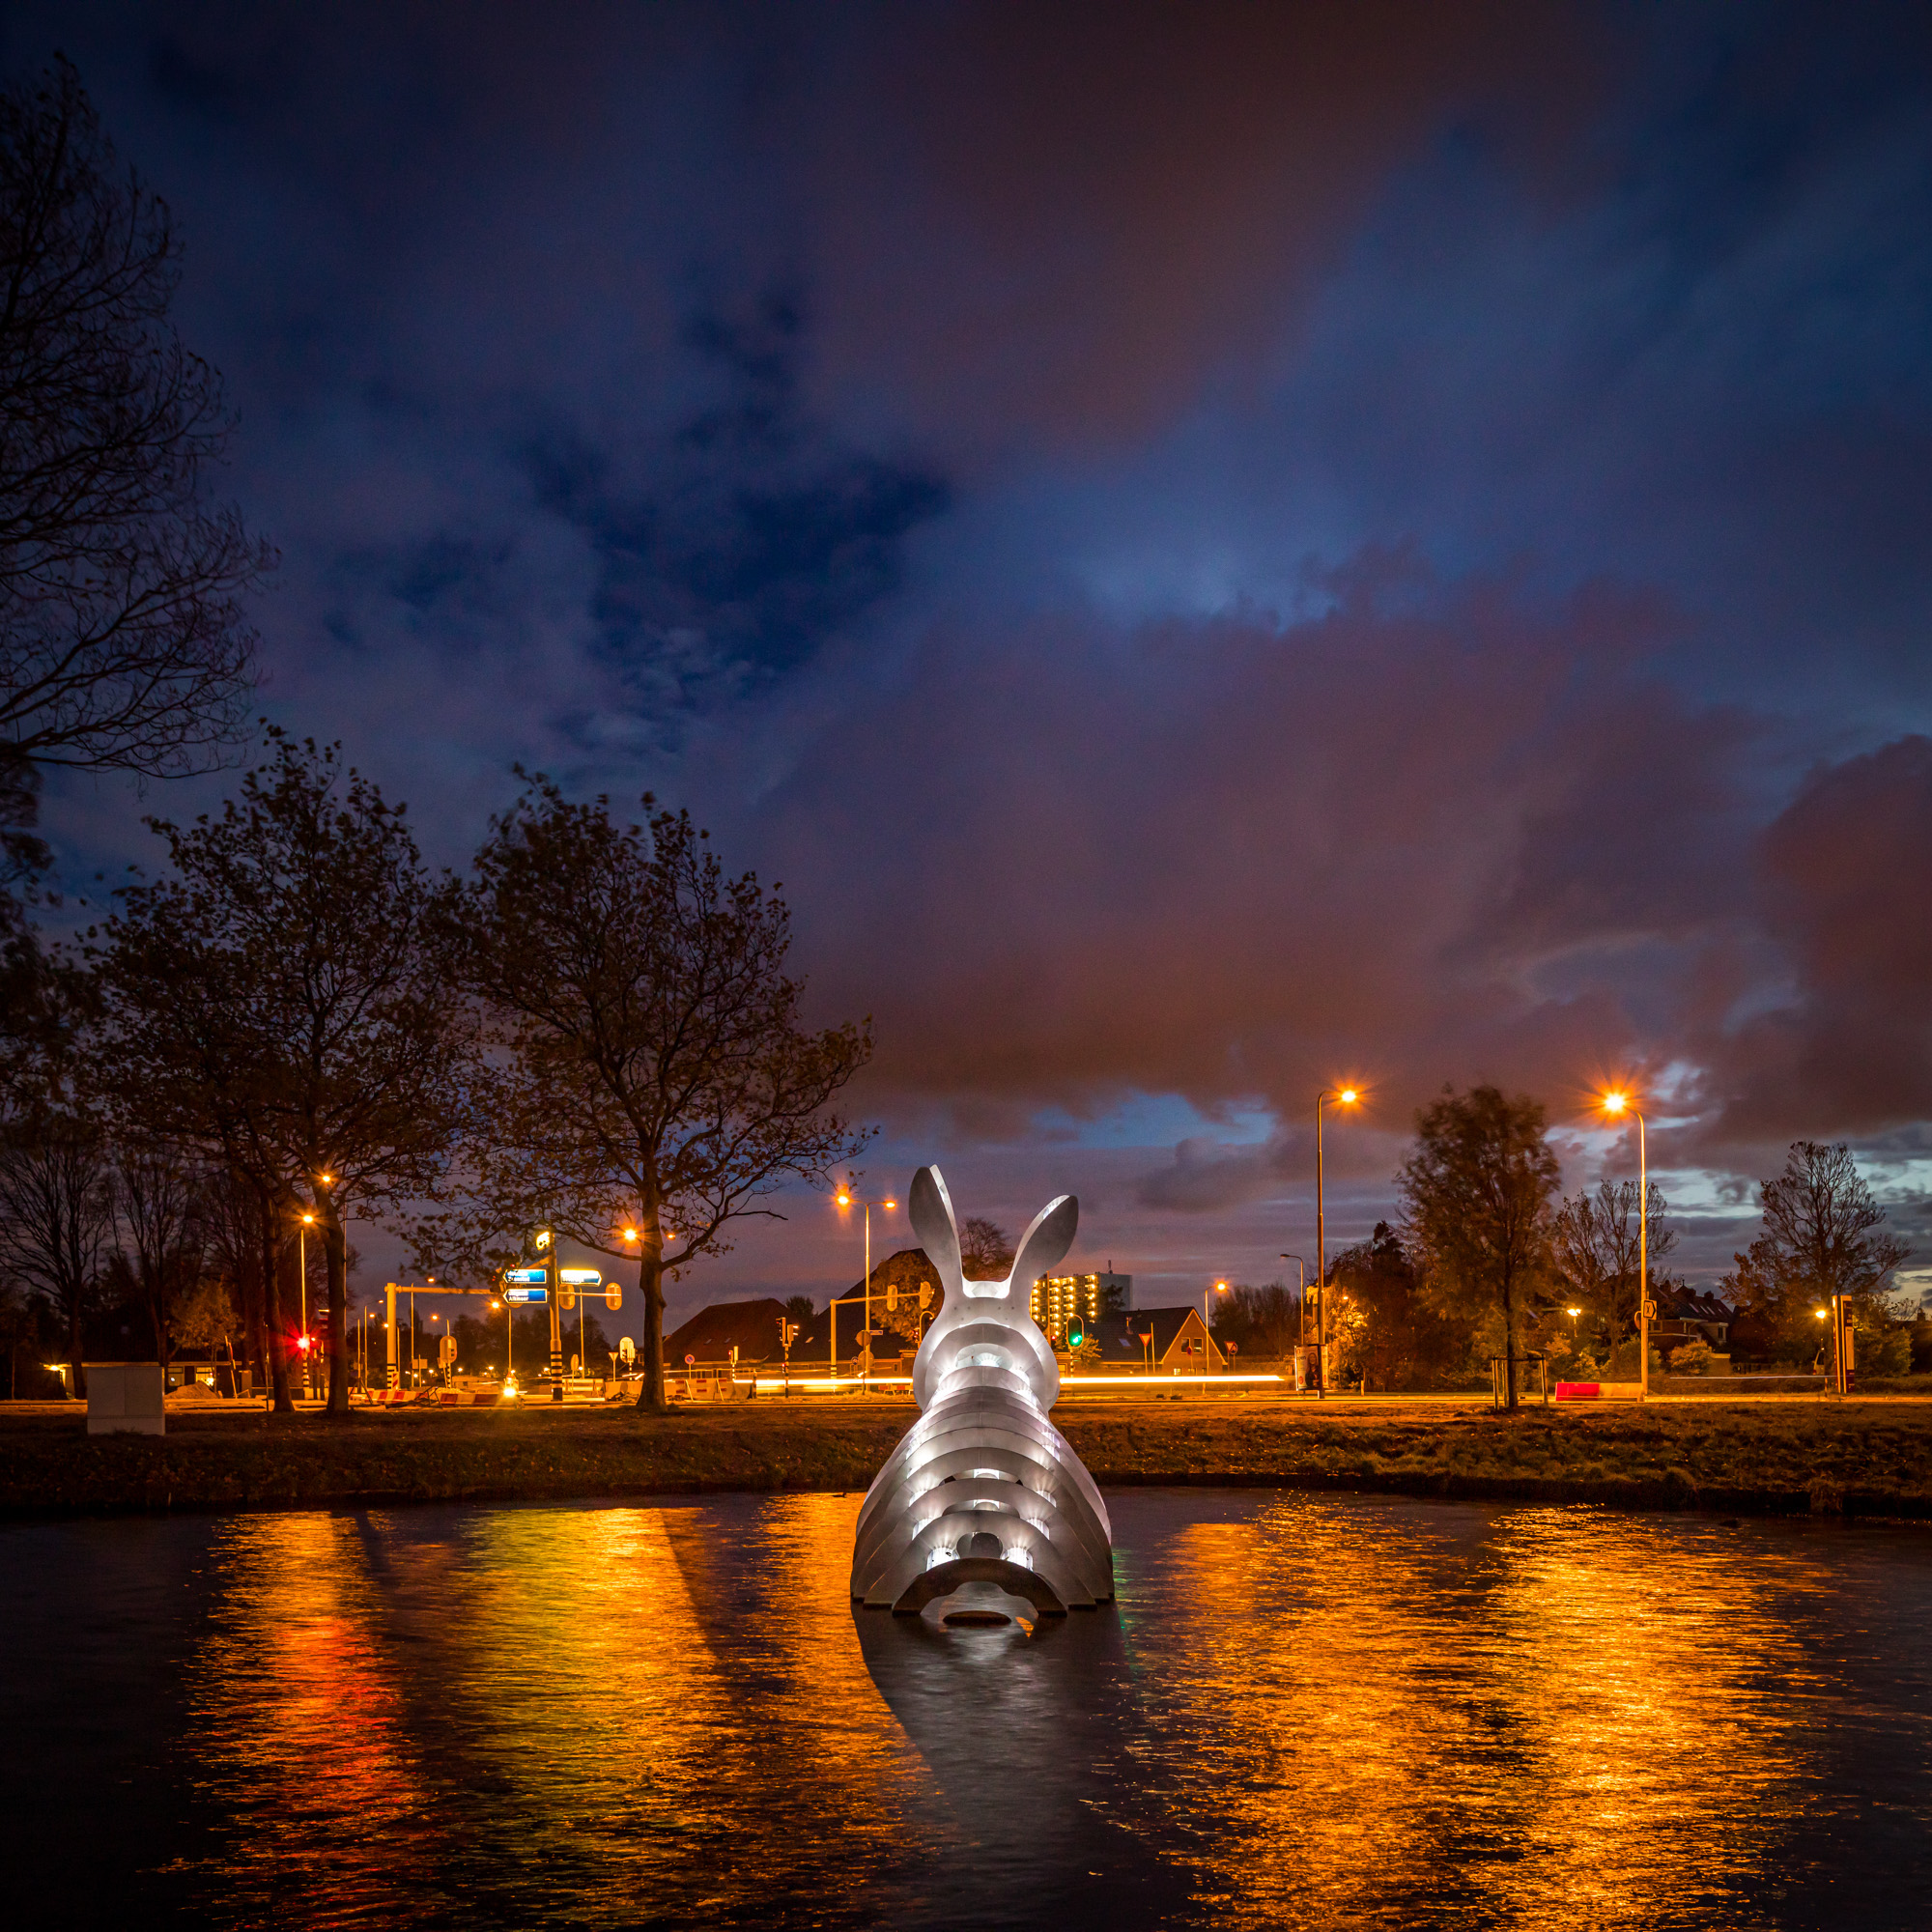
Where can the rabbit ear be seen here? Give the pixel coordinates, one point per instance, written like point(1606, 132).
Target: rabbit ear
point(930, 1208)
point(1046, 1241)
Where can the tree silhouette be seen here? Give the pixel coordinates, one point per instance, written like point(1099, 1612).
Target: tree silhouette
point(1822, 1237)
point(123, 643)
point(1596, 1253)
point(57, 1221)
point(657, 1076)
point(277, 1003)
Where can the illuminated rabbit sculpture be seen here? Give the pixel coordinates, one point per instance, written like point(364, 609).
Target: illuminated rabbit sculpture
point(983, 1488)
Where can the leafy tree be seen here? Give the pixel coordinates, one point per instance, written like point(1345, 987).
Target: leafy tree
point(1597, 1254)
point(985, 1249)
point(800, 1307)
point(1263, 1321)
point(277, 1002)
point(1476, 1194)
point(1400, 1339)
point(1822, 1237)
point(57, 1221)
point(658, 1075)
point(205, 1317)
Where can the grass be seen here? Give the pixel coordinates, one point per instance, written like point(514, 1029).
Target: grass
point(1866, 1457)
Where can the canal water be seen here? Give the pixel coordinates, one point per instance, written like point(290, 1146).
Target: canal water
point(1302, 1710)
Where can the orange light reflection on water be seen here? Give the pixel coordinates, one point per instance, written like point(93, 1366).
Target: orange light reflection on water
point(1552, 1718)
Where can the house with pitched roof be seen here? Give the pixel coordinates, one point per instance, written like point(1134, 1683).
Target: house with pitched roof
point(751, 1327)
point(1175, 1340)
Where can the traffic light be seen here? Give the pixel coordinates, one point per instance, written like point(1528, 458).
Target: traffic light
point(1076, 1333)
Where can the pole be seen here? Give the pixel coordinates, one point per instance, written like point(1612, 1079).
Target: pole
point(864, 1386)
point(1301, 1295)
point(1320, 1264)
point(1642, 1257)
point(301, 1269)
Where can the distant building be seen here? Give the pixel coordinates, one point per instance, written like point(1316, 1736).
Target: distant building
point(1175, 1340)
point(751, 1327)
point(1690, 1315)
point(1057, 1298)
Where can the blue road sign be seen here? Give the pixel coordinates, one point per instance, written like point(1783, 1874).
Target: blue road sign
point(528, 1277)
point(520, 1295)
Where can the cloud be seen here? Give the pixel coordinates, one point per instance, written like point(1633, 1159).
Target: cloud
point(1436, 833)
point(1843, 876)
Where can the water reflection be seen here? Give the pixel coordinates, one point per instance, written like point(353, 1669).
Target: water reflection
point(1300, 1710)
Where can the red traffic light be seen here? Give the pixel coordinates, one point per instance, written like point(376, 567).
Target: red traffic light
point(301, 1341)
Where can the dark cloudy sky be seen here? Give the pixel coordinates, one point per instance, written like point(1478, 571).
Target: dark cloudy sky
point(1209, 548)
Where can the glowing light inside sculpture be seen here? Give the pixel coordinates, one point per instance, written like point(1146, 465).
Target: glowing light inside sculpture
point(983, 1488)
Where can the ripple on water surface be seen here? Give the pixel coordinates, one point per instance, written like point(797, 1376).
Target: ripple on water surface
point(1301, 1710)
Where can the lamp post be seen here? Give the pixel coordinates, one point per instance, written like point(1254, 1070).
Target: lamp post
point(1616, 1105)
point(1302, 1303)
point(1207, 1348)
point(1348, 1096)
point(847, 1199)
point(1300, 1292)
point(1834, 1312)
point(301, 1269)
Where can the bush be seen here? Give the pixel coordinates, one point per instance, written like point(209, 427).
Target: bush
point(1693, 1359)
point(1883, 1352)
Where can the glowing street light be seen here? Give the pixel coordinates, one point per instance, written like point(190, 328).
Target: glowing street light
point(1617, 1104)
point(1347, 1096)
point(1207, 1353)
point(846, 1198)
point(301, 1269)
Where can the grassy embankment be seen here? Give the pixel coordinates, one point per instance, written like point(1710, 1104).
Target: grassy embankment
point(1857, 1458)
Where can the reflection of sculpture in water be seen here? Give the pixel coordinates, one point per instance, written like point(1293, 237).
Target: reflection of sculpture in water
point(983, 1488)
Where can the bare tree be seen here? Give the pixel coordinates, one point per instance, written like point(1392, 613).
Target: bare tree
point(158, 1196)
point(277, 1002)
point(123, 643)
point(234, 1225)
point(985, 1249)
point(659, 1075)
point(1597, 1254)
point(57, 1221)
point(1821, 1238)
point(1476, 1195)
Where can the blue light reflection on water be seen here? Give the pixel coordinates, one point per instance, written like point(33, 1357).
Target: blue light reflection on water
point(1303, 1710)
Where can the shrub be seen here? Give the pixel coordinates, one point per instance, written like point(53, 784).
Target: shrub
point(1693, 1359)
point(1882, 1351)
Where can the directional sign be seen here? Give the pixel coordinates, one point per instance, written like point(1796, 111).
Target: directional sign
point(581, 1277)
point(521, 1295)
point(528, 1277)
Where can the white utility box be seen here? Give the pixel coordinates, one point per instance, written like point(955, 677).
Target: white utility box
point(126, 1398)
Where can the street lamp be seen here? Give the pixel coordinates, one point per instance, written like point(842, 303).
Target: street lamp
point(1616, 1105)
point(510, 1344)
point(1347, 1096)
point(301, 1269)
point(1834, 1313)
point(1300, 1292)
point(1207, 1346)
point(846, 1198)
